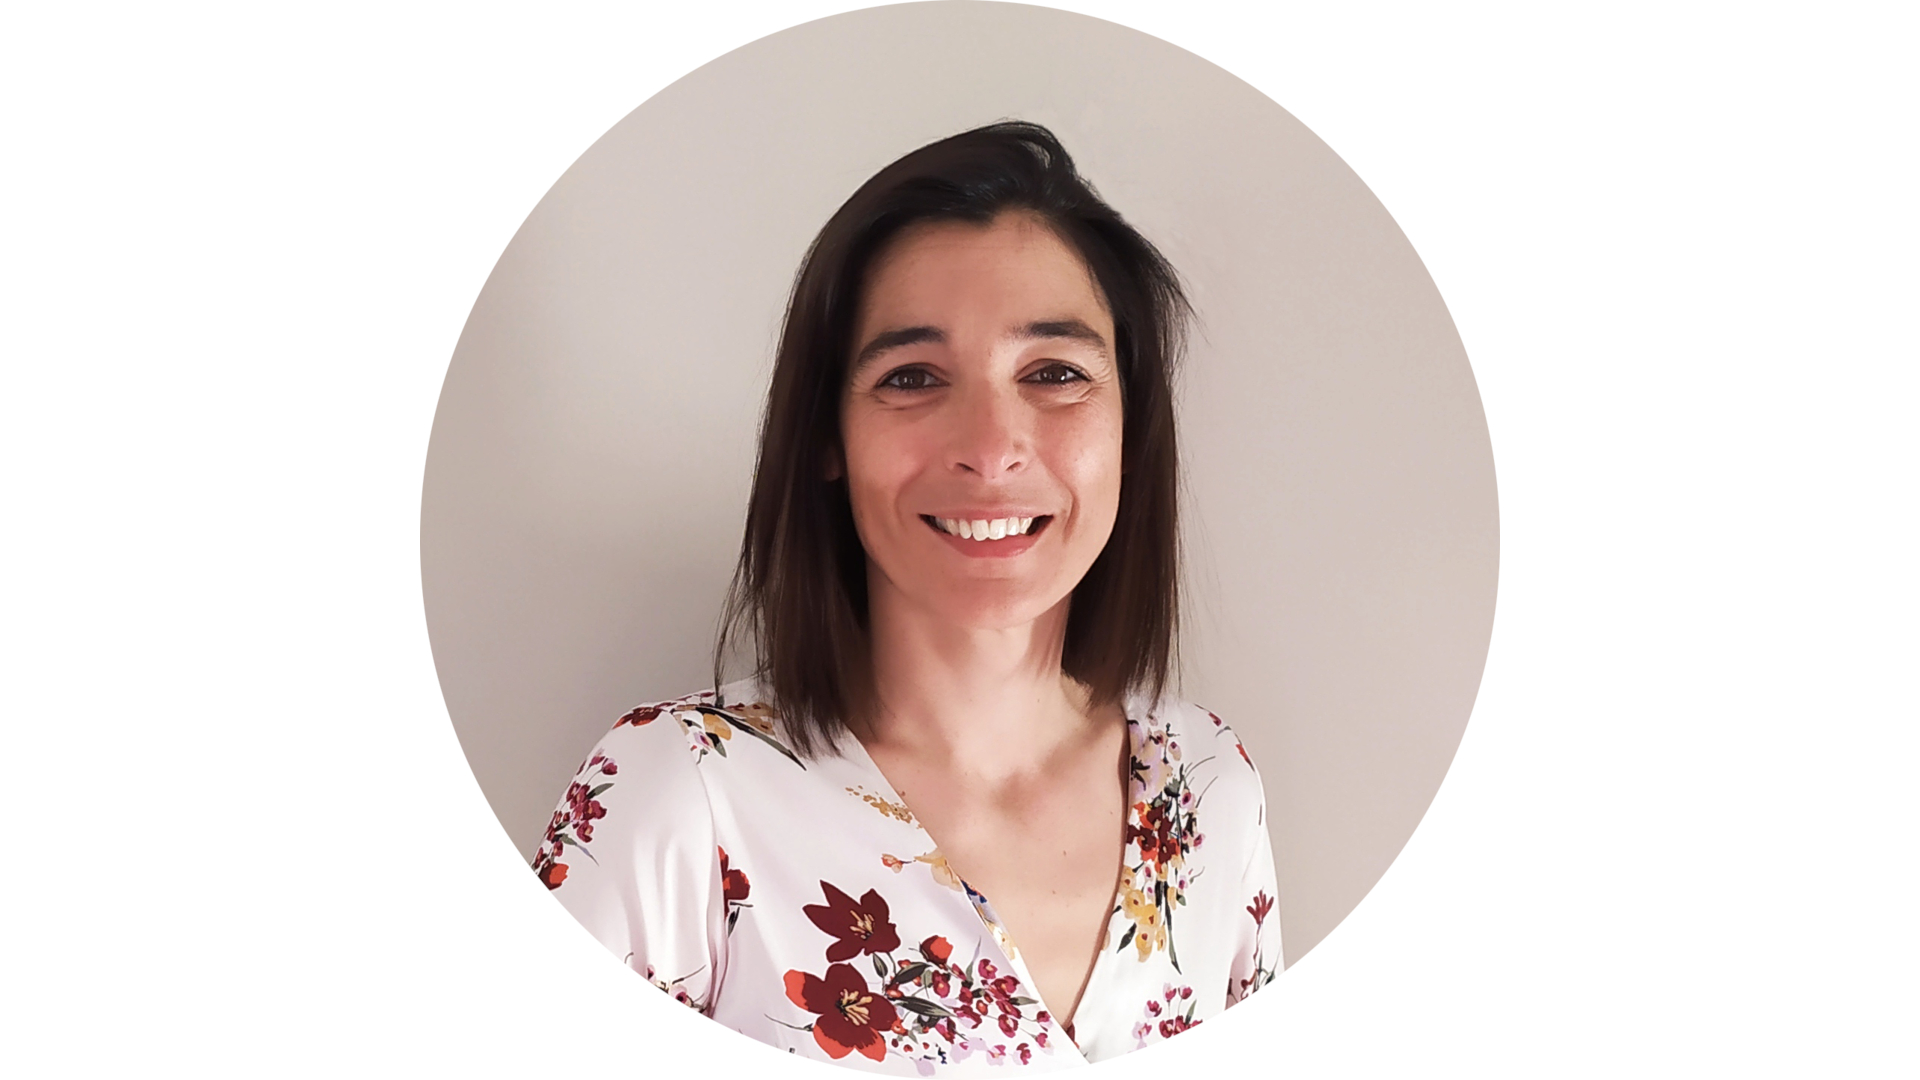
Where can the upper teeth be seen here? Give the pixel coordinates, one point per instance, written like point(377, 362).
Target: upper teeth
point(984, 529)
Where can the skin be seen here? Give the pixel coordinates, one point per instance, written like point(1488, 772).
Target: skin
point(984, 385)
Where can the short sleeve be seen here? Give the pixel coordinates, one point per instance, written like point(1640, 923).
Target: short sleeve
point(1257, 956)
point(630, 852)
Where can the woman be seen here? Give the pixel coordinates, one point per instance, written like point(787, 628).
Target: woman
point(898, 845)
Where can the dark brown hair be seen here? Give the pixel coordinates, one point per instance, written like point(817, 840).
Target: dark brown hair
point(800, 589)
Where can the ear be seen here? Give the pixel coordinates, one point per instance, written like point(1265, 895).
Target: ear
point(836, 464)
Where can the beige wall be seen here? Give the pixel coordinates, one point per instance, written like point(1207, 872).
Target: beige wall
point(589, 463)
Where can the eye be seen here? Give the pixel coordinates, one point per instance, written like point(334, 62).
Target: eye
point(1057, 374)
point(908, 378)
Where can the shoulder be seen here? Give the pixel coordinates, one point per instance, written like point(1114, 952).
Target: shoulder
point(1205, 726)
point(1184, 731)
point(650, 783)
point(1178, 742)
point(706, 725)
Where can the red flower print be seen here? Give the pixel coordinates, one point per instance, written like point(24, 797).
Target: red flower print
point(858, 926)
point(644, 715)
point(583, 809)
point(1170, 1022)
point(936, 949)
point(1262, 903)
point(1174, 1025)
point(734, 885)
point(572, 823)
point(850, 1016)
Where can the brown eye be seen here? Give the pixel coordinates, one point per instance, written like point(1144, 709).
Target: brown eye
point(1057, 375)
point(908, 378)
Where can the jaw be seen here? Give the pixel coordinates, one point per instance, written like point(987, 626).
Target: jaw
point(984, 602)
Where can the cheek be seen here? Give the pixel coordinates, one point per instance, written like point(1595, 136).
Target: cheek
point(879, 461)
point(1090, 456)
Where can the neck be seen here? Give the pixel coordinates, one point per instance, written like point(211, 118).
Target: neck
point(966, 696)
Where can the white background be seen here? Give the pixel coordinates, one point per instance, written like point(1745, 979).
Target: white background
point(238, 245)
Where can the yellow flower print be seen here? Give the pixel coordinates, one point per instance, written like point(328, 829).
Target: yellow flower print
point(936, 862)
point(1151, 935)
point(716, 727)
point(757, 716)
point(894, 810)
point(1149, 931)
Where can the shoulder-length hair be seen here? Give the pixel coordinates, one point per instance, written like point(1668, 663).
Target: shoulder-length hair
point(799, 591)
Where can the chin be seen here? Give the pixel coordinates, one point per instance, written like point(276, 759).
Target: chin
point(976, 607)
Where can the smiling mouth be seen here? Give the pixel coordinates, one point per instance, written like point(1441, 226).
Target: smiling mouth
point(988, 528)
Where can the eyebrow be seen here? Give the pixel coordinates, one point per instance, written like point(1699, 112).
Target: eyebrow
point(888, 340)
point(1071, 329)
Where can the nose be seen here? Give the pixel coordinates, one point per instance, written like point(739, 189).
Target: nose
point(991, 437)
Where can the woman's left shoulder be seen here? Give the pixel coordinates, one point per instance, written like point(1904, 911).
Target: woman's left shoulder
point(1195, 728)
point(1193, 746)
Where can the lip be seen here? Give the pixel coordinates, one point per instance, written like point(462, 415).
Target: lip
point(975, 513)
point(1004, 548)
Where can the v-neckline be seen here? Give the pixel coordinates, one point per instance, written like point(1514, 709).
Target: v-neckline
point(982, 908)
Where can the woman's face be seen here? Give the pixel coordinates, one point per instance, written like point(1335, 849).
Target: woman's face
point(981, 421)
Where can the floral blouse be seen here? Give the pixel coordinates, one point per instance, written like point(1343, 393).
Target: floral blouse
point(800, 902)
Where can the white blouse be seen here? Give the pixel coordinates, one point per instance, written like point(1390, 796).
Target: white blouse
point(800, 903)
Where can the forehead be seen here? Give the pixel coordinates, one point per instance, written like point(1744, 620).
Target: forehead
point(1014, 267)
